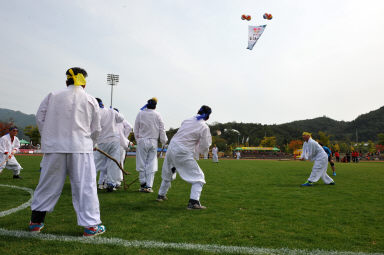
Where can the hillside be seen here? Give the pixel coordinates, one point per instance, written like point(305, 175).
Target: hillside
point(367, 125)
point(21, 120)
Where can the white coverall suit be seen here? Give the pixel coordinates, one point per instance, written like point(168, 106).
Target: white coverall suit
point(69, 124)
point(109, 142)
point(192, 137)
point(215, 157)
point(149, 126)
point(124, 129)
point(314, 152)
point(6, 145)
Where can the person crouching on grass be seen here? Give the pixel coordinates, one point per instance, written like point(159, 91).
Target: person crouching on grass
point(330, 160)
point(192, 138)
point(314, 152)
point(9, 145)
point(69, 124)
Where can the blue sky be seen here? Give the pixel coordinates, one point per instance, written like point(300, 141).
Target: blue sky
point(315, 58)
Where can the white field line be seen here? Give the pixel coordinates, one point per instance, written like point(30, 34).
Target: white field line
point(177, 246)
point(162, 245)
point(20, 207)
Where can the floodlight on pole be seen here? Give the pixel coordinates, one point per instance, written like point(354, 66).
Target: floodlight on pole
point(112, 80)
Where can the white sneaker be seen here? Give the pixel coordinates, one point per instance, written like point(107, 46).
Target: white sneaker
point(148, 190)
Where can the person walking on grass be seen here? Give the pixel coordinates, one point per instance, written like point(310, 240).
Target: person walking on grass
point(215, 157)
point(314, 152)
point(9, 145)
point(192, 138)
point(69, 124)
point(149, 127)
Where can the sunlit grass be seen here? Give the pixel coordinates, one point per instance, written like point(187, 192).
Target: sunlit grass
point(250, 203)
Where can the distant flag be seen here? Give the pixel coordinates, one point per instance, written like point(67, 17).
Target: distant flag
point(247, 139)
point(242, 140)
point(254, 33)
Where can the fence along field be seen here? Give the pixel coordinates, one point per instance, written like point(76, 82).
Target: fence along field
point(254, 207)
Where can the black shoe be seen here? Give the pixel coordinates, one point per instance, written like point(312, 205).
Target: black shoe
point(110, 188)
point(195, 204)
point(143, 187)
point(17, 177)
point(161, 198)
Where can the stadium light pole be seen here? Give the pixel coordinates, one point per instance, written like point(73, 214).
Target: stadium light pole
point(112, 80)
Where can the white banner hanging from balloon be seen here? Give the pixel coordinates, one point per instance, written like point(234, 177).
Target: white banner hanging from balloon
point(254, 33)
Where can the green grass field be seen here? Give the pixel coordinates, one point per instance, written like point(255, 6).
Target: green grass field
point(251, 203)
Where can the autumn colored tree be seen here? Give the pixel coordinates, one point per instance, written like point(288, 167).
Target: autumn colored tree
point(323, 138)
point(220, 142)
point(268, 141)
point(371, 146)
point(294, 145)
point(131, 138)
point(335, 147)
point(380, 148)
point(4, 127)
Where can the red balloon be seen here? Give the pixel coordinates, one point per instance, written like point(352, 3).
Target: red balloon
point(267, 16)
point(247, 17)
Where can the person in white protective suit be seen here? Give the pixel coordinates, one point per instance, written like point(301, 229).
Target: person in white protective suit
point(149, 127)
point(69, 124)
point(215, 156)
point(9, 146)
point(314, 152)
point(124, 129)
point(192, 138)
point(109, 142)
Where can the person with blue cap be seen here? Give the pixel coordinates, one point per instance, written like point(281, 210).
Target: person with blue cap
point(109, 142)
point(330, 160)
point(192, 139)
point(148, 129)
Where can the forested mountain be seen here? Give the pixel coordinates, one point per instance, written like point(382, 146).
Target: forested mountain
point(363, 128)
point(368, 126)
point(21, 120)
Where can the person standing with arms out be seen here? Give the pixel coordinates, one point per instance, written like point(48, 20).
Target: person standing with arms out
point(193, 137)
point(149, 127)
point(330, 160)
point(215, 157)
point(69, 124)
point(314, 152)
point(9, 145)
